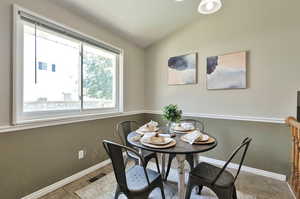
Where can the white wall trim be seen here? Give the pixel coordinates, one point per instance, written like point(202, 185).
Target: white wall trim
point(229, 117)
point(61, 183)
point(292, 191)
point(60, 121)
point(19, 117)
point(90, 117)
point(255, 171)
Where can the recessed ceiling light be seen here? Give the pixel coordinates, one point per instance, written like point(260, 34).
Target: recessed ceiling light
point(209, 6)
point(179, 0)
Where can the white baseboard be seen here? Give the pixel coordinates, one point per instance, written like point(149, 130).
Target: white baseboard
point(65, 181)
point(260, 172)
point(76, 176)
point(292, 191)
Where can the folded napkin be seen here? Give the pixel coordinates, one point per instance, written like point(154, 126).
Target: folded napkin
point(193, 136)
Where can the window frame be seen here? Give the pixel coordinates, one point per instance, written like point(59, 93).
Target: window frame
point(20, 117)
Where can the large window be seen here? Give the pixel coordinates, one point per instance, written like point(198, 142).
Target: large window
point(61, 73)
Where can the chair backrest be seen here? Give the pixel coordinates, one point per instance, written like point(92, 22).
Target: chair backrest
point(197, 123)
point(114, 151)
point(244, 145)
point(124, 128)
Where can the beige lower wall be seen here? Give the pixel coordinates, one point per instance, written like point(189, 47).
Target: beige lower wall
point(270, 148)
point(35, 158)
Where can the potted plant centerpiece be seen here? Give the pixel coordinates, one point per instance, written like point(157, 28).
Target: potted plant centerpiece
point(172, 114)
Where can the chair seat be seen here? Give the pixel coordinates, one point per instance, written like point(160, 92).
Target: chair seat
point(207, 173)
point(136, 179)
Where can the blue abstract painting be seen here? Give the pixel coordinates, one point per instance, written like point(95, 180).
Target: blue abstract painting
point(182, 69)
point(227, 71)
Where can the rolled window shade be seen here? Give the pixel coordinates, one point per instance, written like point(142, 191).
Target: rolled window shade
point(54, 27)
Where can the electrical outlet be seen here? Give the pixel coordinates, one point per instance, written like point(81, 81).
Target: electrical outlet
point(81, 154)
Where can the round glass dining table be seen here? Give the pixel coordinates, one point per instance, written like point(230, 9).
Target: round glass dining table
point(181, 149)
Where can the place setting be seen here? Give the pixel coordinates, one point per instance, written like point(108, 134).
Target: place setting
point(191, 134)
point(149, 127)
point(197, 137)
point(183, 128)
point(148, 135)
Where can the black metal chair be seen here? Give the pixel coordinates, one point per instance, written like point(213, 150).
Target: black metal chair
point(123, 129)
point(189, 157)
point(217, 179)
point(138, 181)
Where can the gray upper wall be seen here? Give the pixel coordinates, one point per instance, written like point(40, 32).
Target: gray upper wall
point(133, 55)
point(269, 30)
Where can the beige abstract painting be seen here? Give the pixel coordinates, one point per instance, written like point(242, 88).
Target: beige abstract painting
point(227, 71)
point(182, 69)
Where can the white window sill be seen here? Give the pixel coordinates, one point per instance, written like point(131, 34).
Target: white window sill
point(63, 120)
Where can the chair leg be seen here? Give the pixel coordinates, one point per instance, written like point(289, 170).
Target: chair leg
point(171, 157)
point(126, 162)
point(117, 193)
point(234, 194)
point(190, 160)
point(162, 190)
point(157, 164)
point(189, 189)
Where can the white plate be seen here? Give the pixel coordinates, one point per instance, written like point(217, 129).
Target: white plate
point(204, 138)
point(183, 132)
point(145, 129)
point(209, 141)
point(181, 129)
point(171, 144)
point(147, 141)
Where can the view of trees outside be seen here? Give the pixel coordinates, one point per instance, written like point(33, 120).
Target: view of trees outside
point(98, 78)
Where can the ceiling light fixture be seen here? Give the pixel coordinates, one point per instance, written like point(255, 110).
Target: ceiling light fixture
point(209, 6)
point(179, 0)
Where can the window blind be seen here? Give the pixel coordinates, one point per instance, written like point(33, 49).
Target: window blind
point(52, 26)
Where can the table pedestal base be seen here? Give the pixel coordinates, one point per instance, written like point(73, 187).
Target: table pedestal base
point(181, 176)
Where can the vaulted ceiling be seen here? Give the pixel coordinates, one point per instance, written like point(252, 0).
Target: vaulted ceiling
point(140, 21)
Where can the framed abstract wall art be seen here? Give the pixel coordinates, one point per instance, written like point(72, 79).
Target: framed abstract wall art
point(182, 69)
point(226, 71)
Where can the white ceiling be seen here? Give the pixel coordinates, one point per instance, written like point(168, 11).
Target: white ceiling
point(140, 21)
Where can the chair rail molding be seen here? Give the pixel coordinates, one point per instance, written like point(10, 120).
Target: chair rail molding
point(228, 117)
point(66, 120)
point(60, 121)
